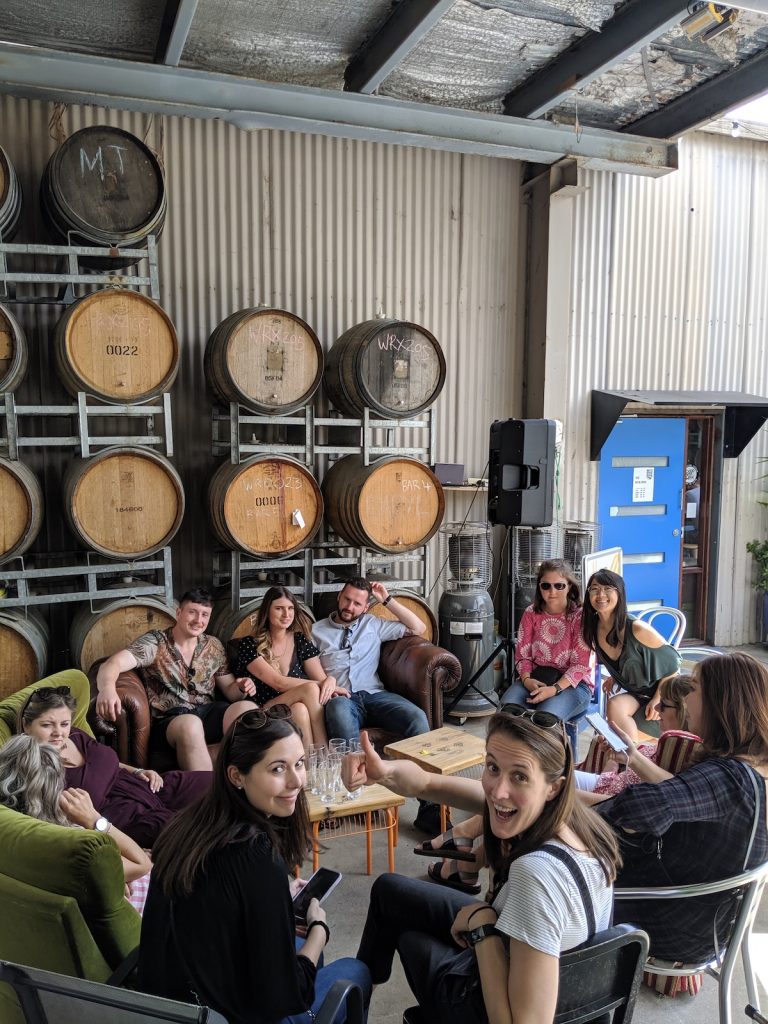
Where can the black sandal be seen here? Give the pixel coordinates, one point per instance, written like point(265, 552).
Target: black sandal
point(448, 848)
point(453, 881)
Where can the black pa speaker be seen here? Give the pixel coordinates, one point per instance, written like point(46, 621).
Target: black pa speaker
point(521, 472)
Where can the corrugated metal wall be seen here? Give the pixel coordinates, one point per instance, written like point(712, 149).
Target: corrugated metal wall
point(335, 231)
point(669, 285)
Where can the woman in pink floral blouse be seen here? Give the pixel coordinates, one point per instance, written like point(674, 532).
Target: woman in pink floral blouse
point(555, 666)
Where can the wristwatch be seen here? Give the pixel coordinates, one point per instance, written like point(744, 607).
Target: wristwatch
point(557, 687)
point(482, 931)
point(386, 601)
point(102, 825)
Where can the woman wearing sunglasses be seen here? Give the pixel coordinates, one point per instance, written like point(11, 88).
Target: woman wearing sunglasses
point(219, 927)
point(285, 665)
point(636, 658)
point(552, 861)
point(554, 664)
point(138, 801)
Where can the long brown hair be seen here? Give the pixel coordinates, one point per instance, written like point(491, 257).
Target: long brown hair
point(301, 622)
point(734, 703)
point(553, 754)
point(558, 565)
point(224, 815)
point(589, 617)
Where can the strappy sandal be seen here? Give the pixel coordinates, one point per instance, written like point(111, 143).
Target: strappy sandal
point(458, 848)
point(456, 880)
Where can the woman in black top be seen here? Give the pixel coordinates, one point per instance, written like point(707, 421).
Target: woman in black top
point(280, 658)
point(218, 925)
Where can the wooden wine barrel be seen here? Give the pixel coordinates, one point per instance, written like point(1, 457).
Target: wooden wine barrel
point(99, 634)
point(21, 501)
point(268, 360)
point(103, 186)
point(123, 502)
point(415, 603)
point(268, 506)
point(10, 198)
point(23, 649)
point(228, 624)
point(394, 504)
point(13, 351)
point(118, 345)
point(394, 367)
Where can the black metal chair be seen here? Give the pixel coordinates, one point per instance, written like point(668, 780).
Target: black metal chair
point(47, 998)
point(597, 979)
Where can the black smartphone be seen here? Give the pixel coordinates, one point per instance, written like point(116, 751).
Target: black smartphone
point(320, 885)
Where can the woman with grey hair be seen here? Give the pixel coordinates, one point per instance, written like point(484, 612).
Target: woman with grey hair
point(32, 782)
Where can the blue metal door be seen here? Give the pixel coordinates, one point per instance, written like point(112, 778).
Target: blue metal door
point(640, 506)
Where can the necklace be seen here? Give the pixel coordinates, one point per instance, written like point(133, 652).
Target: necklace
point(279, 654)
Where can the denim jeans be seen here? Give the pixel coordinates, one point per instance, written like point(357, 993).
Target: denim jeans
point(346, 716)
point(565, 705)
point(347, 968)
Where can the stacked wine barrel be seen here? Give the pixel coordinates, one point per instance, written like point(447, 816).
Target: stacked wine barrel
point(103, 187)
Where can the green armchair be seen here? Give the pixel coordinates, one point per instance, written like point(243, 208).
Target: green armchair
point(61, 889)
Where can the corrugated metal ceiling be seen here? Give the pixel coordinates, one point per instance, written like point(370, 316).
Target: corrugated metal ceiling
point(474, 54)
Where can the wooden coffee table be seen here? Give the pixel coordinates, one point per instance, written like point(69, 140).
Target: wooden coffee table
point(374, 810)
point(446, 751)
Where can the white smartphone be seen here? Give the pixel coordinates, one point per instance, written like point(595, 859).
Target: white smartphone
point(319, 886)
point(614, 741)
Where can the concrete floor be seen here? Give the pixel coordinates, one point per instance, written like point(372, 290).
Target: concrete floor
point(347, 908)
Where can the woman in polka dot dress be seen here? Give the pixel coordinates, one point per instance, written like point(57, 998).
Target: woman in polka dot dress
point(284, 663)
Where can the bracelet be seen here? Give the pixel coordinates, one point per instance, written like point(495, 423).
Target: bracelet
point(320, 924)
point(386, 601)
point(137, 771)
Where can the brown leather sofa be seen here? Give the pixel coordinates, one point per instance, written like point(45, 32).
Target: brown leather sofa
point(412, 667)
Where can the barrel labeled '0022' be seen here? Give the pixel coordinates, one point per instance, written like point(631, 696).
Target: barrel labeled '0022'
point(268, 506)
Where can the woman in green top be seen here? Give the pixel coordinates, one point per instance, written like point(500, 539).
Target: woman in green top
point(636, 658)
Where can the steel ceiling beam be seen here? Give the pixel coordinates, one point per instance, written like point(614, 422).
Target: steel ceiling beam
point(707, 101)
point(635, 25)
point(130, 85)
point(177, 22)
point(406, 26)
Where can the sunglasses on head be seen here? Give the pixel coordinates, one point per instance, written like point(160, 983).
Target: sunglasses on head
point(259, 717)
point(45, 693)
point(553, 586)
point(542, 720)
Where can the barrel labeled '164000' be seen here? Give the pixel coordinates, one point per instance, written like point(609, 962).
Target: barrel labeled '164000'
point(118, 345)
point(268, 360)
point(393, 367)
point(124, 502)
point(268, 506)
point(394, 504)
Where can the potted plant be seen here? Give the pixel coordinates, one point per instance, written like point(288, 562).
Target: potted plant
point(759, 551)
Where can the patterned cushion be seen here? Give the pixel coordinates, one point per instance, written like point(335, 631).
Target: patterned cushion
point(676, 749)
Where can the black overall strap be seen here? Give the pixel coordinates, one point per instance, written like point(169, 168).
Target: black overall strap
point(578, 876)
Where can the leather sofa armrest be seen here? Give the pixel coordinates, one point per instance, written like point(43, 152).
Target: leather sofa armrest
point(420, 672)
point(129, 735)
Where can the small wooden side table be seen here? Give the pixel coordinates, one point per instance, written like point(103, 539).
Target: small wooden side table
point(375, 809)
point(446, 751)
